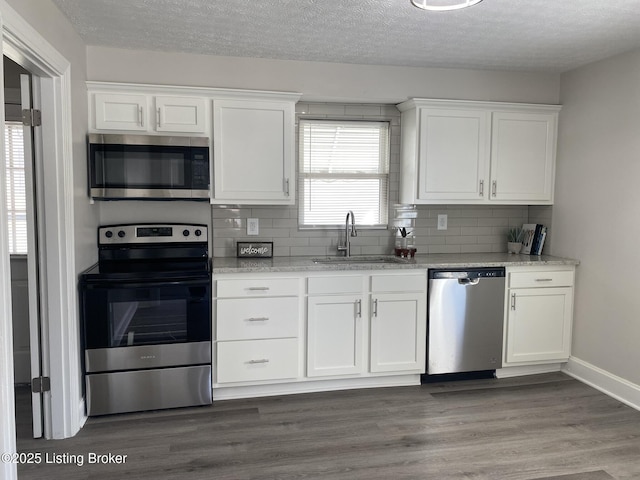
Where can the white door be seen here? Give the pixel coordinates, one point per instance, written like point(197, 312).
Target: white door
point(180, 114)
point(539, 324)
point(334, 335)
point(253, 151)
point(523, 156)
point(32, 261)
point(116, 111)
point(398, 332)
point(454, 155)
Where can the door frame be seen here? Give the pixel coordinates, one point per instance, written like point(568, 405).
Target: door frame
point(24, 45)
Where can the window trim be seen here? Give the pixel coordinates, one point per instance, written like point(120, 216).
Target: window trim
point(302, 176)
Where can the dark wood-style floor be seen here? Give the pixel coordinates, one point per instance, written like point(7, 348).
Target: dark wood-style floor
point(538, 427)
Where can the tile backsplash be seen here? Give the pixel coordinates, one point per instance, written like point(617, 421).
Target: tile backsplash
point(469, 229)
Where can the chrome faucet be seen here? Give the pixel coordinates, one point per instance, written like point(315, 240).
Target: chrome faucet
point(346, 248)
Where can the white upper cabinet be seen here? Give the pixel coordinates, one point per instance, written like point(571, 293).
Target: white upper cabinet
point(523, 147)
point(133, 112)
point(463, 152)
point(180, 114)
point(453, 154)
point(254, 151)
point(115, 111)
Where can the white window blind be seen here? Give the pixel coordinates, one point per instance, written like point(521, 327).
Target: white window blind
point(344, 165)
point(16, 192)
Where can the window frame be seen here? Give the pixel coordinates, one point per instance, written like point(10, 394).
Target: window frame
point(384, 159)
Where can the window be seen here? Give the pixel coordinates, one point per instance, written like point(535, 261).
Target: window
point(16, 192)
point(344, 165)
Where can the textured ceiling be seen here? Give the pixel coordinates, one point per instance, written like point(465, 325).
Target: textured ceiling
point(534, 35)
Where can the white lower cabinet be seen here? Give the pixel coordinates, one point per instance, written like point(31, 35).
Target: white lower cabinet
point(398, 332)
point(539, 306)
point(334, 335)
point(256, 324)
point(384, 324)
point(318, 331)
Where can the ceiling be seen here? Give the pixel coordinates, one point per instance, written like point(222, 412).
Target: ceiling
point(534, 35)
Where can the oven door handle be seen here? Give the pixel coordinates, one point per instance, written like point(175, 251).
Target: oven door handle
point(202, 282)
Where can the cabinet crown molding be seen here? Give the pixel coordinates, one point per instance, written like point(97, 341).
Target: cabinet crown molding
point(215, 92)
point(476, 104)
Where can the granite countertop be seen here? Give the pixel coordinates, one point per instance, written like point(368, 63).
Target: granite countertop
point(439, 260)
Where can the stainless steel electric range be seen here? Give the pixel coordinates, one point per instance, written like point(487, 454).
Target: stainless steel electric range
point(146, 319)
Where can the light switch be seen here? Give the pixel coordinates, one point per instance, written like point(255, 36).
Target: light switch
point(253, 226)
point(442, 222)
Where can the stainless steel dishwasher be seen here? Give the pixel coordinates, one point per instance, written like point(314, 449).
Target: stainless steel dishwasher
point(466, 317)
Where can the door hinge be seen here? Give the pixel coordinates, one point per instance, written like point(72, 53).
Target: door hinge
point(41, 384)
point(31, 117)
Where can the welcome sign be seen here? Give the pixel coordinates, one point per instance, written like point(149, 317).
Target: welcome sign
point(254, 250)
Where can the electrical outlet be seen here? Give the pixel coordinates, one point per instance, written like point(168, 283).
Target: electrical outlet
point(442, 222)
point(253, 226)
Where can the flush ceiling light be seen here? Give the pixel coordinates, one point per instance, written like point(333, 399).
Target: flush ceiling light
point(443, 5)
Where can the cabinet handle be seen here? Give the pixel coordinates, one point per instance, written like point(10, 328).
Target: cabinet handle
point(158, 118)
point(286, 187)
point(258, 289)
point(482, 188)
point(544, 279)
point(255, 362)
point(494, 187)
point(140, 117)
point(375, 307)
point(257, 319)
point(359, 308)
point(513, 301)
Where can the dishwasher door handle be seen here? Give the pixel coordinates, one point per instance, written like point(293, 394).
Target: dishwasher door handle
point(468, 281)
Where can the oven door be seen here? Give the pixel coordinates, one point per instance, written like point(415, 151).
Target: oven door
point(120, 314)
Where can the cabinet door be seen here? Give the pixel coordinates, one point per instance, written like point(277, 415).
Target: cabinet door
point(334, 335)
point(539, 324)
point(180, 114)
point(254, 152)
point(453, 155)
point(523, 157)
point(398, 332)
point(115, 111)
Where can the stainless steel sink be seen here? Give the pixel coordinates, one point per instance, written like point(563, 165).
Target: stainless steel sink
point(362, 259)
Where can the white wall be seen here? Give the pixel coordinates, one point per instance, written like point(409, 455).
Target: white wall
point(595, 217)
point(319, 81)
point(45, 17)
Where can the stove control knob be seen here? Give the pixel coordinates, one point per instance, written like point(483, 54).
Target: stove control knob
point(108, 234)
point(121, 234)
point(185, 232)
point(198, 232)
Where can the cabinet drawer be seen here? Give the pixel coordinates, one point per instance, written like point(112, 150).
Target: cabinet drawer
point(558, 278)
point(334, 285)
point(253, 318)
point(255, 360)
point(399, 283)
point(247, 287)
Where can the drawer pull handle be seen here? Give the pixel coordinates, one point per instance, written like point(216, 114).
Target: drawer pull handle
point(375, 307)
point(544, 279)
point(359, 308)
point(255, 362)
point(258, 289)
point(257, 319)
point(513, 301)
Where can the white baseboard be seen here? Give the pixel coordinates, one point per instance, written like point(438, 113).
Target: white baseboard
point(614, 386)
point(234, 392)
point(518, 371)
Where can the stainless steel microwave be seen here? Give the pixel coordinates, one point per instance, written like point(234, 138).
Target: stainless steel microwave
point(148, 167)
